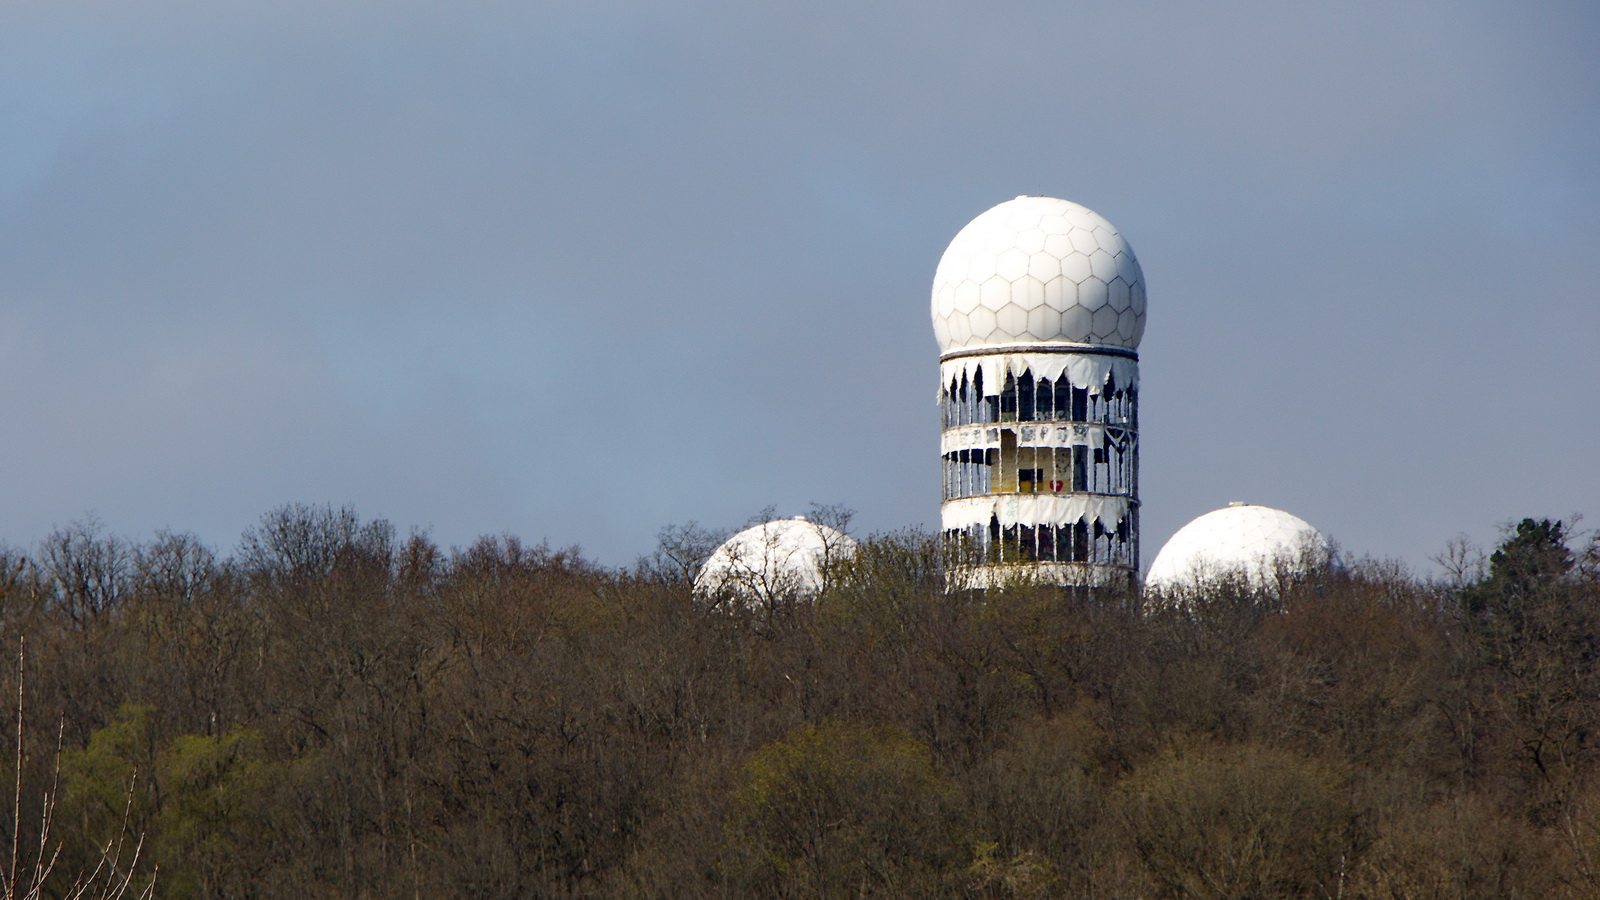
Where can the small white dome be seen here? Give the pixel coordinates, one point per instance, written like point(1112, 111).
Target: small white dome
point(1239, 540)
point(777, 559)
point(1038, 269)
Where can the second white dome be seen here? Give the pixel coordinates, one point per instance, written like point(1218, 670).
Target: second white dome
point(1241, 540)
point(779, 559)
point(1038, 269)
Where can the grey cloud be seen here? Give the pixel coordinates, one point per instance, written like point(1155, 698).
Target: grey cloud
point(581, 270)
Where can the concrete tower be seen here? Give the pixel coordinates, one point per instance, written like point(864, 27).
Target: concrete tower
point(1038, 306)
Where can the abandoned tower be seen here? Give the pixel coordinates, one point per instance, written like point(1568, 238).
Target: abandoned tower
point(1038, 307)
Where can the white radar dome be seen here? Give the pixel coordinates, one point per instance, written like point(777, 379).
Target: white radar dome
point(1240, 540)
point(777, 559)
point(1038, 269)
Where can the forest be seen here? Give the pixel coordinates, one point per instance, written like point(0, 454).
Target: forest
point(339, 710)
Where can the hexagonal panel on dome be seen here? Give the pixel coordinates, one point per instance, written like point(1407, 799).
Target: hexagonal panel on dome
point(1077, 324)
point(1043, 266)
point(1128, 266)
point(944, 300)
point(1117, 295)
point(1075, 267)
point(1105, 322)
point(1027, 292)
point(982, 322)
point(1012, 319)
point(994, 293)
point(1043, 321)
point(1060, 294)
point(1011, 264)
point(1092, 293)
point(1103, 265)
point(1126, 321)
point(1055, 224)
point(941, 329)
point(1083, 241)
point(960, 330)
point(1030, 240)
point(1058, 245)
point(966, 296)
point(1136, 297)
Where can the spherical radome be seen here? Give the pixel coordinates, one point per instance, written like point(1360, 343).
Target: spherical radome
point(1240, 540)
point(1032, 254)
point(783, 558)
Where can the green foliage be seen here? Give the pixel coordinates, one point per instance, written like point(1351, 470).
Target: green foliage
point(118, 759)
point(1242, 821)
point(1039, 798)
point(200, 798)
point(1026, 874)
point(835, 808)
point(215, 789)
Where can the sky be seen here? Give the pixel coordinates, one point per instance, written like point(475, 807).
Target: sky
point(576, 271)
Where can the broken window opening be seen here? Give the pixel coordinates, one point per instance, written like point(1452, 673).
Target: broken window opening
point(1014, 468)
point(1086, 542)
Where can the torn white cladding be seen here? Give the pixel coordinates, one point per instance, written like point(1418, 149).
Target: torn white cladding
point(1241, 541)
point(783, 559)
point(962, 514)
point(1092, 371)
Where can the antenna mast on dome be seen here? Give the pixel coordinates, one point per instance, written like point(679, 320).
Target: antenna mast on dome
point(1038, 307)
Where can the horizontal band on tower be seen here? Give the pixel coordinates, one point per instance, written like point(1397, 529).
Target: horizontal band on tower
point(1040, 347)
point(1035, 434)
point(1035, 509)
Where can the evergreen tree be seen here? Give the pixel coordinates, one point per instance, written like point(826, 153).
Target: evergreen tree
point(1523, 573)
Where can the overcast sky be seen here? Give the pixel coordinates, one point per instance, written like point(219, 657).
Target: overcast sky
point(580, 270)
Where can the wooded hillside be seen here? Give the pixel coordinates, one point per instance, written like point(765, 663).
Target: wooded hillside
point(336, 711)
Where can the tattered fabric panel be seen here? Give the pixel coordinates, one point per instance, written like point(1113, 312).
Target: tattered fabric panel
point(1033, 509)
point(1084, 370)
point(1071, 434)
